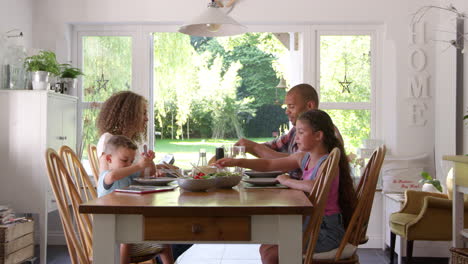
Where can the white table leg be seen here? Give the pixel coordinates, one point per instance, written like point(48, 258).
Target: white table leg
point(105, 247)
point(457, 216)
point(400, 247)
point(290, 239)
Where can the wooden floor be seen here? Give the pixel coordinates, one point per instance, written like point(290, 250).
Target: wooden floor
point(241, 254)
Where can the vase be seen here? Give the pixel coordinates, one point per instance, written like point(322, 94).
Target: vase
point(427, 187)
point(69, 85)
point(40, 80)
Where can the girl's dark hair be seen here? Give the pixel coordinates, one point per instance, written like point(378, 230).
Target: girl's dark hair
point(319, 120)
point(123, 114)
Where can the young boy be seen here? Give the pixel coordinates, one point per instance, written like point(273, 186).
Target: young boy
point(120, 153)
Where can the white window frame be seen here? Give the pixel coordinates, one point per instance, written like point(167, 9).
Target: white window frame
point(375, 100)
point(306, 57)
point(81, 31)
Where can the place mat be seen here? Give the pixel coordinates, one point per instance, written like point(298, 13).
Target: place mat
point(155, 181)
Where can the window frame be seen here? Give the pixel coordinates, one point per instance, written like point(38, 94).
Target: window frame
point(307, 58)
point(81, 31)
point(374, 100)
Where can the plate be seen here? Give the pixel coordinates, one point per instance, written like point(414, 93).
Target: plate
point(262, 181)
point(262, 174)
point(155, 181)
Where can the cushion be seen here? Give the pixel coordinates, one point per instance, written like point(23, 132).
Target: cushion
point(348, 252)
point(144, 249)
point(399, 221)
point(399, 180)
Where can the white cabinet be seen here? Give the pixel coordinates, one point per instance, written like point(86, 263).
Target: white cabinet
point(31, 122)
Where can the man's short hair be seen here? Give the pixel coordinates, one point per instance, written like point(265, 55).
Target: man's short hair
point(119, 141)
point(307, 92)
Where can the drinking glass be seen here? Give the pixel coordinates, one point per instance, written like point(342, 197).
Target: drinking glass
point(228, 151)
point(238, 152)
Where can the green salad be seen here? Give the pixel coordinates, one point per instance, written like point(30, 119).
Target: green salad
point(202, 175)
point(223, 174)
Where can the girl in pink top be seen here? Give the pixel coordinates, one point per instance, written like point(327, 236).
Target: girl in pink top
point(315, 138)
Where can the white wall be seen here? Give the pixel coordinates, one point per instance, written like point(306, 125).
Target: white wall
point(445, 84)
point(17, 16)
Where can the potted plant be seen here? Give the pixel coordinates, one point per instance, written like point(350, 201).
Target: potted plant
point(41, 66)
point(430, 184)
point(69, 77)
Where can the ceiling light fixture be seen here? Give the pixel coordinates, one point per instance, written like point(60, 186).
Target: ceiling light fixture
point(213, 22)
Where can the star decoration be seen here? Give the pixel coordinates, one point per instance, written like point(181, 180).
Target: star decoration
point(102, 83)
point(345, 84)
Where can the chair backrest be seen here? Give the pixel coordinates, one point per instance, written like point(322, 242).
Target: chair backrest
point(65, 193)
point(357, 227)
point(77, 171)
point(318, 196)
point(94, 161)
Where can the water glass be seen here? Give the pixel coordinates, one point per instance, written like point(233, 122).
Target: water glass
point(238, 152)
point(228, 151)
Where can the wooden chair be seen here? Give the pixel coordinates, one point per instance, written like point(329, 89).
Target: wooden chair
point(318, 196)
point(76, 170)
point(94, 161)
point(86, 191)
point(355, 233)
point(65, 192)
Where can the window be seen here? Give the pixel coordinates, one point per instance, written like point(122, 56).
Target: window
point(346, 84)
point(211, 91)
point(107, 65)
point(183, 76)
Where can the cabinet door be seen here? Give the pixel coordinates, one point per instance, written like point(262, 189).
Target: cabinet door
point(69, 121)
point(54, 123)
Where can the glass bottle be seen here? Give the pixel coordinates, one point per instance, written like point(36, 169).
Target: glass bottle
point(202, 158)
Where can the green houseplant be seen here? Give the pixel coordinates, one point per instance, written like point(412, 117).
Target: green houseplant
point(430, 184)
point(69, 77)
point(41, 66)
point(67, 71)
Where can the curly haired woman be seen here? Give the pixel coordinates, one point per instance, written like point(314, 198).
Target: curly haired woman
point(125, 113)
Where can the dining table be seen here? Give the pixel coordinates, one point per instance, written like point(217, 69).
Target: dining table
point(239, 215)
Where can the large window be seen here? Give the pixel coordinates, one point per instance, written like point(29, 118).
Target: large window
point(206, 92)
point(345, 84)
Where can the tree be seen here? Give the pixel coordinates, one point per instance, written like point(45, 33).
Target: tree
point(173, 79)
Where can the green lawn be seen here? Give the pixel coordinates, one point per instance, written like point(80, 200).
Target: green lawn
point(186, 151)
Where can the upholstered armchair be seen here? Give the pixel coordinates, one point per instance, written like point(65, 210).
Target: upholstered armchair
point(424, 216)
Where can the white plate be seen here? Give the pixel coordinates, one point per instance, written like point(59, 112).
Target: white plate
point(262, 174)
point(155, 181)
point(262, 181)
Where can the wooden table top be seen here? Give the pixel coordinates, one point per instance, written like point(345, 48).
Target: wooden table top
point(219, 202)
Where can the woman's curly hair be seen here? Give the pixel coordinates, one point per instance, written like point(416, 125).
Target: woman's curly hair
point(123, 114)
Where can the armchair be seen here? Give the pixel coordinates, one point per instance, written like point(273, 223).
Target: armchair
point(424, 216)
